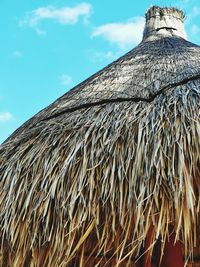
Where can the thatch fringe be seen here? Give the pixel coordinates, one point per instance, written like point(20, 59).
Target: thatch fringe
point(93, 186)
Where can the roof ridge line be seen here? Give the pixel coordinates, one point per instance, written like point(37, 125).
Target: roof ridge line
point(122, 99)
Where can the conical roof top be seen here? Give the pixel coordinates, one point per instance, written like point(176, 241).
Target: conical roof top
point(116, 154)
point(161, 59)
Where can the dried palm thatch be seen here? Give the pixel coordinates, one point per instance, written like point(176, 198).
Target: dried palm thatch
point(84, 179)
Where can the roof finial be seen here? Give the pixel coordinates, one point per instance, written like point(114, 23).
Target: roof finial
point(164, 22)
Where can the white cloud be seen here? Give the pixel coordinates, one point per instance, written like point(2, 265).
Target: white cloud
point(17, 53)
point(123, 34)
point(65, 15)
point(65, 79)
point(5, 116)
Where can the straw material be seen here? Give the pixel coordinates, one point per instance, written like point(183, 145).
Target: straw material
point(83, 180)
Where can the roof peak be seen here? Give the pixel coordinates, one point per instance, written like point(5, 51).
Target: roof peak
point(164, 21)
point(164, 11)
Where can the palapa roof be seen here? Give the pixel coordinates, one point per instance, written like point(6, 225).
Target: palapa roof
point(82, 181)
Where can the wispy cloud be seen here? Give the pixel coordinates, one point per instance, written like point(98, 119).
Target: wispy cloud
point(192, 28)
point(105, 56)
point(65, 79)
point(17, 53)
point(5, 116)
point(195, 11)
point(195, 29)
point(123, 34)
point(39, 31)
point(65, 15)
point(181, 3)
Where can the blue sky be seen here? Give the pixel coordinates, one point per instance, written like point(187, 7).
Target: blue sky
point(47, 47)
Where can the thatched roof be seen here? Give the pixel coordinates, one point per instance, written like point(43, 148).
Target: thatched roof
point(84, 179)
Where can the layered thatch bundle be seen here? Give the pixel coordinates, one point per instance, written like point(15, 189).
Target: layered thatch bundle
point(84, 180)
